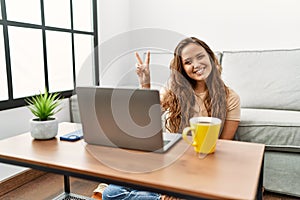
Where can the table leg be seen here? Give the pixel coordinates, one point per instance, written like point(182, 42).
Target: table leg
point(67, 184)
point(259, 194)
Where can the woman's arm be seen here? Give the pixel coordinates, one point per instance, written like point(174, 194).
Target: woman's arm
point(233, 116)
point(229, 129)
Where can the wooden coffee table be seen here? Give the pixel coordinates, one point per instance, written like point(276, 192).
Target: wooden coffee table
point(234, 171)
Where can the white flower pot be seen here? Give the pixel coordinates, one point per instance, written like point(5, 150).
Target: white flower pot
point(43, 130)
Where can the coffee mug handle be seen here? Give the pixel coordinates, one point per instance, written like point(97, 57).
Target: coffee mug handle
point(185, 132)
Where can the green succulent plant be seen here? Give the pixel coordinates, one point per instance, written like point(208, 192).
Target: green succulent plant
point(44, 106)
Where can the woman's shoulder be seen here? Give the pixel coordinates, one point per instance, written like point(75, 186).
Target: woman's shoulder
point(232, 93)
point(233, 106)
point(232, 98)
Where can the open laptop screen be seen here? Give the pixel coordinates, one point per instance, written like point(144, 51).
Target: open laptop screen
point(119, 117)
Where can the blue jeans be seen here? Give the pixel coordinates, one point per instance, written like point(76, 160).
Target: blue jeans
point(120, 192)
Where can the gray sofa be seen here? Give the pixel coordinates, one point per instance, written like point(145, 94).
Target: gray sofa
point(268, 83)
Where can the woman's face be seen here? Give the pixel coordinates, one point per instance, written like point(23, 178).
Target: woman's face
point(196, 62)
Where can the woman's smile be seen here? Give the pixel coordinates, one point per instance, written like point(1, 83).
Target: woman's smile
point(199, 71)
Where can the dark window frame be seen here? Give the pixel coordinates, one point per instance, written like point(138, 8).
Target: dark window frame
point(18, 102)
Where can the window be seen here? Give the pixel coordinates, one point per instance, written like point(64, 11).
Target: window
point(84, 59)
point(82, 15)
point(28, 11)
point(3, 79)
point(26, 55)
point(60, 65)
point(57, 13)
point(46, 43)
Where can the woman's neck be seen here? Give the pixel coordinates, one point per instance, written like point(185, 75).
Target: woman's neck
point(200, 87)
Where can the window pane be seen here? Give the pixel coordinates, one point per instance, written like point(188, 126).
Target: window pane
point(84, 59)
point(3, 78)
point(59, 56)
point(82, 15)
point(28, 11)
point(57, 13)
point(27, 63)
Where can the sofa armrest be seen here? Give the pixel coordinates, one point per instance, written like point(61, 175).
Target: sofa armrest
point(74, 109)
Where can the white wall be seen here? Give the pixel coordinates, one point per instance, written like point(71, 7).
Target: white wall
point(113, 18)
point(224, 25)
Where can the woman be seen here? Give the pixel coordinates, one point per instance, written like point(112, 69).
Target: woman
point(195, 88)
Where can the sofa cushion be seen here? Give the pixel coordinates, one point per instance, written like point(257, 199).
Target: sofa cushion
point(264, 79)
point(275, 128)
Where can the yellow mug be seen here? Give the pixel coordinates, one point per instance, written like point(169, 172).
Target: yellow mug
point(205, 133)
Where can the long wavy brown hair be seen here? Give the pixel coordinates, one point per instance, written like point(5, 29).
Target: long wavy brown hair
point(180, 99)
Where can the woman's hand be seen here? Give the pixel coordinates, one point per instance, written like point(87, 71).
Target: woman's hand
point(142, 70)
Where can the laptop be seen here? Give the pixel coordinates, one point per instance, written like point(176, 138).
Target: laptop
point(124, 118)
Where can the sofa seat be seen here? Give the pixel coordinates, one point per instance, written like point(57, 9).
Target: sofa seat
point(275, 128)
point(279, 130)
point(282, 172)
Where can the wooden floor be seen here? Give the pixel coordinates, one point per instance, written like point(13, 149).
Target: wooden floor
point(50, 185)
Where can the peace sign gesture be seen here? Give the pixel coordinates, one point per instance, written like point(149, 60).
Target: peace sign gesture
point(142, 70)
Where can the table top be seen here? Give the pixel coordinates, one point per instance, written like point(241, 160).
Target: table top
point(231, 172)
